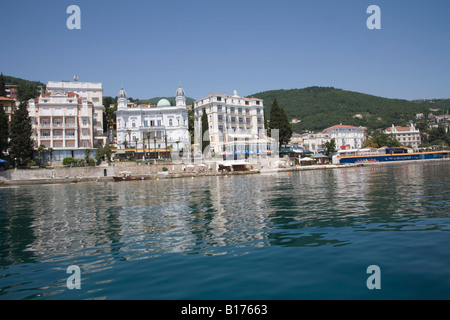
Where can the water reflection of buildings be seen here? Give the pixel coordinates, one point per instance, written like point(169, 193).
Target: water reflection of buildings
point(208, 215)
point(139, 220)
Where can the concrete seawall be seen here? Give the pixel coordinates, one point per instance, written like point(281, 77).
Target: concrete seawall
point(154, 171)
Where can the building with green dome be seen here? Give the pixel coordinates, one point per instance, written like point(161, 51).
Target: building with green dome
point(152, 131)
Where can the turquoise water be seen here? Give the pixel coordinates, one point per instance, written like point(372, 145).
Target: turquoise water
point(303, 235)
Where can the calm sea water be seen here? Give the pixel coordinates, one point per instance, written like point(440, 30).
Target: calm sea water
point(303, 235)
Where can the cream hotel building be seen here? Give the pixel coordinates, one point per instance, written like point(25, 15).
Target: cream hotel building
point(236, 126)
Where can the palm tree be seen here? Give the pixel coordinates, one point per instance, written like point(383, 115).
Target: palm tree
point(165, 142)
point(136, 139)
point(154, 141)
point(41, 150)
point(129, 135)
point(148, 134)
point(50, 150)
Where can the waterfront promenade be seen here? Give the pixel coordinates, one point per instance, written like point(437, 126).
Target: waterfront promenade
point(154, 171)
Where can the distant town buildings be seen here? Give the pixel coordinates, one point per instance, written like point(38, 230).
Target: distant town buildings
point(142, 127)
point(407, 136)
point(347, 136)
point(63, 121)
point(315, 141)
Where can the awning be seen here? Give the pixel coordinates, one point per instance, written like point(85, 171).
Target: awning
point(3, 161)
point(307, 159)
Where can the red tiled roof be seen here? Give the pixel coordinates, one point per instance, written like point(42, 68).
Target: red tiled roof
point(6, 99)
point(399, 128)
point(341, 126)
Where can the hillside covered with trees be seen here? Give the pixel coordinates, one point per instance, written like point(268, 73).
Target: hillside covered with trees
point(322, 107)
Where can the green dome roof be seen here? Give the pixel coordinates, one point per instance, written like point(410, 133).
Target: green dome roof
point(163, 103)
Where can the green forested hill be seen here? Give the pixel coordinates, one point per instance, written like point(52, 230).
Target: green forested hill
point(18, 81)
point(322, 107)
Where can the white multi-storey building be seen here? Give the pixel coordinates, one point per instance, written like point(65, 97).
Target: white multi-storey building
point(62, 121)
point(91, 91)
point(232, 119)
point(347, 136)
point(315, 141)
point(407, 136)
point(145, 123)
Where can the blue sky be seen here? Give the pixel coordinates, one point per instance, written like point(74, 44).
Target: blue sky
point(150, 46)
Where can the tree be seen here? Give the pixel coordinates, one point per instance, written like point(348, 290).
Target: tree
point(205, 127)
point(104, 152)
point(148, 134)
point(21, 143)
point(380, 139)
point(330, 147)
point(136, 139)
point(107, 152)
point(2, 86)
point(41, 150)
point(50, 150)
point(165, 142)
point(279, 120)
point(191, 124)
point(27, 91)
point(437, 134)
point(154, 141)
point(266, 123)
point(3, 131)
point(129, 136)
point(109, 114)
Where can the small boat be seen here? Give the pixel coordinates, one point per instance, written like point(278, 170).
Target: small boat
point(126, 176)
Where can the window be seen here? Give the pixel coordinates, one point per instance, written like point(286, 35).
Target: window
point(258, 110)
point(221, 128)
point(145, 123)
point(233, 119)
point(239, 110)
point(133, 125)
point(219, 117)
point(219, 98)
point(159, 123)
point(219, 108)
point(257, 103)
point(232, 109)
point(170, 122)
point(247, 111)
point(152, 123)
